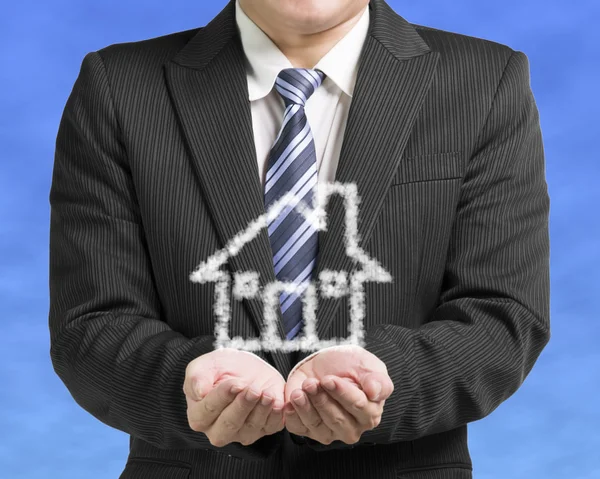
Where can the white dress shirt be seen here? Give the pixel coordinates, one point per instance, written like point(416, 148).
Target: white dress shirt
point(326, 109)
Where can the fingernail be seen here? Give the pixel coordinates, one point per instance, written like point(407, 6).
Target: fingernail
point(312, 388)
point(252, 395)
point(377, 390)
point(328, 384)
point(266, 400)
point(289, 410)
point(198, 389)
point(300, 401)
point(236, 388)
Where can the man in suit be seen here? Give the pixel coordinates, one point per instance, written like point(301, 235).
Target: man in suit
point(168, 147)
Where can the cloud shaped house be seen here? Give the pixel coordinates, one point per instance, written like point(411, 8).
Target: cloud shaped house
point(331, 284)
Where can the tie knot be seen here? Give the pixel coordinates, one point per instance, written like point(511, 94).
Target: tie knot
point(296, 85)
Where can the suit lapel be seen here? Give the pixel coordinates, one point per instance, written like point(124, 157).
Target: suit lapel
point(208, 86)
point(395, 71)
point(207, 82)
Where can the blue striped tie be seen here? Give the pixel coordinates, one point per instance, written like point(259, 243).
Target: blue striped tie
point(292, 168)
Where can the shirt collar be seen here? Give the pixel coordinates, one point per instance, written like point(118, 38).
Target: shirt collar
point(265, 59)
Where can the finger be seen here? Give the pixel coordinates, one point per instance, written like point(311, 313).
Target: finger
point(275, 422)
point(294, 382)
point(336, 418)
point(253, 427)
point(292, 421)
point(202, 414)
point(257, 419)
point(377, 386)
point(310, 417)
point(354, 401)
point(234, 415)
point(271, 397)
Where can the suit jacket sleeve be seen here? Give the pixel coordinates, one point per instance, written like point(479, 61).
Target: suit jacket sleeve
point(109, 344)
point(492, 320)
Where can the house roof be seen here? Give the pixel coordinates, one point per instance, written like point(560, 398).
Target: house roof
point(210, 270)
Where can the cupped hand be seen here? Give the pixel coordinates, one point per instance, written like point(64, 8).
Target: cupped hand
point(337, 395)
point(233, 396)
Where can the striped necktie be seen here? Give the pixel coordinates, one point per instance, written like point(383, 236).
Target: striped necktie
point(292, 167)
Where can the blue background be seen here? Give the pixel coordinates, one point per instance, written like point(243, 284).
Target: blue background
point(549, 429)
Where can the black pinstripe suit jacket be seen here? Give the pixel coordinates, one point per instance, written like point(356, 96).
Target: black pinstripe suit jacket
point(155, 169)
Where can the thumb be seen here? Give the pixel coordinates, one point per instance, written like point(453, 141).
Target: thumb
point(201, 386)
point(377, 386)
point(197, 383)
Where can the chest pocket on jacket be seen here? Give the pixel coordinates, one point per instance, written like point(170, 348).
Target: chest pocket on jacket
point(431, 167)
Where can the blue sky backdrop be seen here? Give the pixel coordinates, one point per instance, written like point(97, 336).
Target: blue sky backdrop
point(549, 429)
